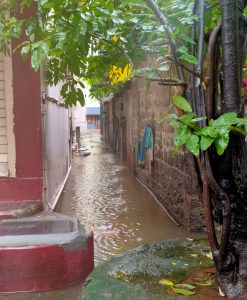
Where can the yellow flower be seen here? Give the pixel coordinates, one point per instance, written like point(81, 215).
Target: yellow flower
point(117, 74)
point(115, 38)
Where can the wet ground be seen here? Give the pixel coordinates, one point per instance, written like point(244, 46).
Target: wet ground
point(106, 198)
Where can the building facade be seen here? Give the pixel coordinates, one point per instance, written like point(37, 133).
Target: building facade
point(35, 133)
point(171, 177)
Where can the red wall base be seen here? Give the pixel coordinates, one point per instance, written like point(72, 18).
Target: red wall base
point(44, 267)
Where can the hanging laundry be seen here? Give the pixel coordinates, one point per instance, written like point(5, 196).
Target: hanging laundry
point(145, 156)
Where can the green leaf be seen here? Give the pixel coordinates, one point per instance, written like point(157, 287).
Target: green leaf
point(239, 130)
point(209, 255)
point(35, 59)
point(222, 130)
point(80, 97)
point(206, 142)
point(204, 283)
point(245, 12)
point(186, 38)
point(241, 121)
point(183, 291)
point(189, 58)
point(182, 134)
point(208, 131)
point(166, 282)
point(181, 103)
point(194, 254)
point(186, 118)
point(185, 285)
point(193, 145)
point(199, 119)
point(173, 117)
point(221, 143)
point(226, 119)
point(183, 50)
point(25, 51)
point(245, 73)
point(211, 123)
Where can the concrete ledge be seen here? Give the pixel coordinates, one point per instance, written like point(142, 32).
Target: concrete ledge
point(19, 209)
point(44, 252)
point(136, 274)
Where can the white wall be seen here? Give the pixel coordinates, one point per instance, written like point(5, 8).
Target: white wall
point(7, 138)
point(57, 149)
point(79, 118)
point(79, 112)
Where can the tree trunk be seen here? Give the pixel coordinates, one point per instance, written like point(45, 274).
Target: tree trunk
point(232, 174)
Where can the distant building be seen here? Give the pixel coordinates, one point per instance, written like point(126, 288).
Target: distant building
point(85, 117)
point(93, 117)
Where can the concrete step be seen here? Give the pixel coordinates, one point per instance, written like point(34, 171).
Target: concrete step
point(19, 209)
point(44, 252)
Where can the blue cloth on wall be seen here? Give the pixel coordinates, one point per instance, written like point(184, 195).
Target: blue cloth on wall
point(147, 142)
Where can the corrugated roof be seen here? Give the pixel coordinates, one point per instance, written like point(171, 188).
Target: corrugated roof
point(93, 111)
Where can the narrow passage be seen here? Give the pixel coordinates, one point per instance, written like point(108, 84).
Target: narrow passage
point(102, 193)
point(106, 198)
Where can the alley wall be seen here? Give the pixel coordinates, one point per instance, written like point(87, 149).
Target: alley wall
point(173, 178)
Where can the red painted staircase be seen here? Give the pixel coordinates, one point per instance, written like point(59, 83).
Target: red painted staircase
point(19, 209)
point(43, 252)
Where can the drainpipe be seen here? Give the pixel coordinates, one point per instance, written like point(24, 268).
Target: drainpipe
point(43, 111)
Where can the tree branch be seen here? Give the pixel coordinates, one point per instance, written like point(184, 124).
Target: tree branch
point(164, 81)
point(114, 44)
point(187, 69)
point(163, 20)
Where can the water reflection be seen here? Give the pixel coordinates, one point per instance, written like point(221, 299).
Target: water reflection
point(104, 196)
point(107, 199)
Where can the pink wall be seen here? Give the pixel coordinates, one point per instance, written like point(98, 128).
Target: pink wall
point(28, 132)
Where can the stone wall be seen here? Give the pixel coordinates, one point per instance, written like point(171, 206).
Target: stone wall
point(173, 178)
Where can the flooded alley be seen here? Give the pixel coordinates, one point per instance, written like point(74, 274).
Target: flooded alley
point(102, 193)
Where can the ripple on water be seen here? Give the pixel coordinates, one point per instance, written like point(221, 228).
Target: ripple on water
point(107, 199)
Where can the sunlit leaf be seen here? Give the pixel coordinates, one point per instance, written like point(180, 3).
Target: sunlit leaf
point(25, 51)
point(186, 38)
point(206, 142)
point(208, 131)
point(239, 130)
point(183, 291)
point(186, 118)
point(35, 59)
point(189, 58)
point(199, 119)
point(193, 145)
point(226, 119)
point(185, 286)
point(194, 254)
point(182, 134)
point(183, 49)
point(204, 283)
point(221, 292)
point(221, 143)
point(166, 282)
point(181, 103)
point(209, 255)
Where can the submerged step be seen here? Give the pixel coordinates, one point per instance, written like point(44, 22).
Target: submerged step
point(44, 252)
point(19, 209)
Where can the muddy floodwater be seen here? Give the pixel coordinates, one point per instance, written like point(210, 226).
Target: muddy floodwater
point(106, 198)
